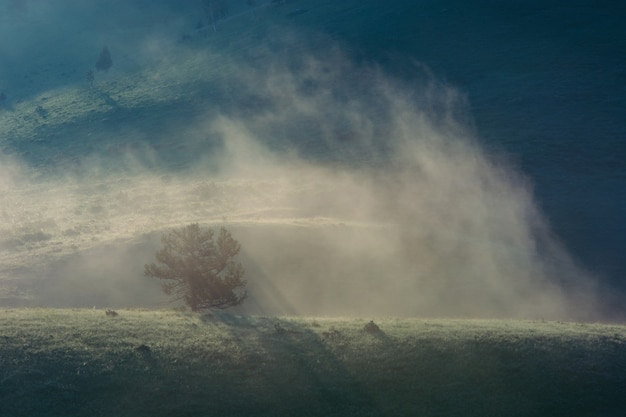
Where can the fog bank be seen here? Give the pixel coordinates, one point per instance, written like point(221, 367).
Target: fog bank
point(351, 193)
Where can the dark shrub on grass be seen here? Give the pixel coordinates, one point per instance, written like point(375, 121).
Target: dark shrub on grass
point(371, 327)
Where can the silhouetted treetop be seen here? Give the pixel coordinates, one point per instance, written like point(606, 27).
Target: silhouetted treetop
point(104, 61)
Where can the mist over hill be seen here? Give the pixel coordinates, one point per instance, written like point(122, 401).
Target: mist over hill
point(413, 158)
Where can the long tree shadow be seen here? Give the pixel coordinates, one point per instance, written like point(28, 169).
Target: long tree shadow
point(292, 368)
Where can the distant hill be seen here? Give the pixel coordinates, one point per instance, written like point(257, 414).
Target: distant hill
point(336, 85)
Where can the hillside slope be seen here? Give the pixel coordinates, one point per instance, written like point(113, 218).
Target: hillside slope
point(159, 363)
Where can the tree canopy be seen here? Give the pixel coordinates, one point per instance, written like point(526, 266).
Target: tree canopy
point(199, 270)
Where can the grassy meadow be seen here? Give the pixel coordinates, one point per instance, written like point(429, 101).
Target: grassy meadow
point(64, 362)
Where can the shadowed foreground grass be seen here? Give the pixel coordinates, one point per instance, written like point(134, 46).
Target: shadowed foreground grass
point(162, 363)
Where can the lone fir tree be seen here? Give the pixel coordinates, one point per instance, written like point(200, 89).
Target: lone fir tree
point(104, 61)
point(199, 270)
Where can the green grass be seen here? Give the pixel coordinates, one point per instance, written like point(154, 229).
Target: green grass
point(85, 363)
